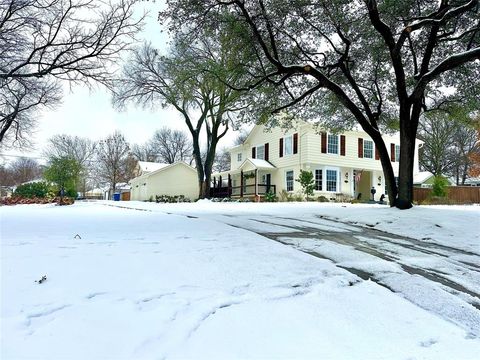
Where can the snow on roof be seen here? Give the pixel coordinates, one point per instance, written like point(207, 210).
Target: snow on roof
point(422, 176)
point(147, 166)
point(261, 163)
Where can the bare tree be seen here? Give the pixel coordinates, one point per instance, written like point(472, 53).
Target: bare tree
point(20, 101)
point(467, 144)
point(144, 152)
point(82, 150)
point(114, 165)
point(222, 160)
point(241, 137)
point(78, 148)
point(24, 169)
point(188, 80)
point(437, 154)
point(450, 140)
point(45, 41)
point(171, 146)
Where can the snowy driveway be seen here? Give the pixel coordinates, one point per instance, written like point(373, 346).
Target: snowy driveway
point(234, 281)
point(439, 278)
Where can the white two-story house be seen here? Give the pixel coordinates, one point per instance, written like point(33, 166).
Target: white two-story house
point(343, 165)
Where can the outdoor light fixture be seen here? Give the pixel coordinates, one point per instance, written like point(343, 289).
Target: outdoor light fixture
point(346, 177)
point(379, 180)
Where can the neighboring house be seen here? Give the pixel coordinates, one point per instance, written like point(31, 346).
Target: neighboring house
point(425, 179)
point(343, 165)
point(174, 179)
point(145, 167)
point(96, 194)
point(472, 181)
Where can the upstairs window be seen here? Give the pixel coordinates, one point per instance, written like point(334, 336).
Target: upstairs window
point(288, 145)
point(239, 157)
point(332, 147)
point(261, 152)
point(397, 153)
point(368, 149)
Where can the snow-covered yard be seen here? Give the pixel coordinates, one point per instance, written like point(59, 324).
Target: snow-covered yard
point(206, 281)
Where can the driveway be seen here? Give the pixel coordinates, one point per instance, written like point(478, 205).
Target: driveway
point(442, 279)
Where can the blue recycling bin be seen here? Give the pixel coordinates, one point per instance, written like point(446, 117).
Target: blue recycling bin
point(116, 197)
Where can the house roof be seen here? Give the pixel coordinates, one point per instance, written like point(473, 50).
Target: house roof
point(166, 167)
point(147, 166)
point(421, 177)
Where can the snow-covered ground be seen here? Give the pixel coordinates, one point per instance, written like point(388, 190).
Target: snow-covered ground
point(200, 281)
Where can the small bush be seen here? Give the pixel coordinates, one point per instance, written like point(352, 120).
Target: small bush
point(32, 190)
point(322, 198)
point(271, 197)
point(440, 187)
point(285, 196)
point(298, 197)
point(171, 199)
point(307, 182)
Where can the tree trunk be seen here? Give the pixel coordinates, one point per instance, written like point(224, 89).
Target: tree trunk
point(197, 154)
point(387, 168)
point(405, 171)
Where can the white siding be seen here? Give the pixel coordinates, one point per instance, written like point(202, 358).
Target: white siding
point(178, 179)
point(310, 156)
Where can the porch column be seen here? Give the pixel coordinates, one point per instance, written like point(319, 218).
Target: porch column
point(229, 185)
point(214, 182)
point(256, 183)
point(241, 183)
point(220, 182)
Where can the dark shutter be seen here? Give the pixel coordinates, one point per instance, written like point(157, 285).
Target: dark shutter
point(360, 147)
point(295, 143)
point(254, 150)
point(324, 143)
point(392, 152)
point(266, 151)
point(342, 145)
point(280, 147)
point(377, 154)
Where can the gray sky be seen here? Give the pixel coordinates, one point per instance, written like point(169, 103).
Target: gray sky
point(90, 113)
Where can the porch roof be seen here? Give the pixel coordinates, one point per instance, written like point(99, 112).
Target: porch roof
point(253, 164)
point(248, 165)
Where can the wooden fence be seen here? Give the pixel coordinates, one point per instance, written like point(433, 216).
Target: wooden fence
point(456, 194)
